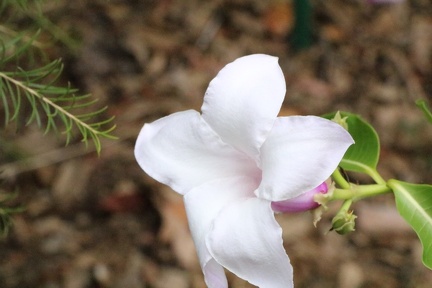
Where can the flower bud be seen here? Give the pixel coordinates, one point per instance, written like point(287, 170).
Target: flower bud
point(344, 222)
point(300, 203)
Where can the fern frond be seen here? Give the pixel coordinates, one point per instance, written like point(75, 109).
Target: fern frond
point(52, 104)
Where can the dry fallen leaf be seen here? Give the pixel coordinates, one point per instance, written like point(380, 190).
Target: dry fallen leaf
point(279, 19)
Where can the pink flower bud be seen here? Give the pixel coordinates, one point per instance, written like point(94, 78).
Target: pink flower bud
point(300, 203)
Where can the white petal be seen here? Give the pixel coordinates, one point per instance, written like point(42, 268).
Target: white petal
point(243, 101)
point(202, 204)
point(247, 240)
point(182, 151)
point(300, 153)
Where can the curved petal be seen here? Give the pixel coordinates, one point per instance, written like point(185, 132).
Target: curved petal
point(182, 151)
point(247, 240)
point(202, 204)
point(300, 153)
point(243, 101)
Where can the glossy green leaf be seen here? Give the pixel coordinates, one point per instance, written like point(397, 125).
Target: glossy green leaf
point(363, 156)
point(414, 203)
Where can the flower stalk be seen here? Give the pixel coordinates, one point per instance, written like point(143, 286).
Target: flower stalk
point(344, 220)
point(358, 192)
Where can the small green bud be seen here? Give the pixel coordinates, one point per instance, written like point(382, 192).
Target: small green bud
point(344, 222)
point(340, 120)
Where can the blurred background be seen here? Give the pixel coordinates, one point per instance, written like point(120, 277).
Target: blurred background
point(98, 221)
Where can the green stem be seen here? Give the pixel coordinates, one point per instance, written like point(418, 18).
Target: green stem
point(372, 172)
point(376, 177)
point(357, 192)
point(340, 180)
point(345, 206)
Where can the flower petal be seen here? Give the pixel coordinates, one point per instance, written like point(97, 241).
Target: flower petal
point(300, 153)
point(243, 101)
point(247, 240)
point(182, 151)
point(202, 204)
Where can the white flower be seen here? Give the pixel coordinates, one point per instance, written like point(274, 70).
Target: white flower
point(233, 160)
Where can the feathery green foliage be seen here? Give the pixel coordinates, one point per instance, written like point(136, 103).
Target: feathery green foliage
point(52, 104)
point(31, 86)
point(30, 89)
point(425, 108)
point(6, 212)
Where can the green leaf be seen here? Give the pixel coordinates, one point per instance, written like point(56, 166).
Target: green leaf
point(363, 156)
point(414, 203)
